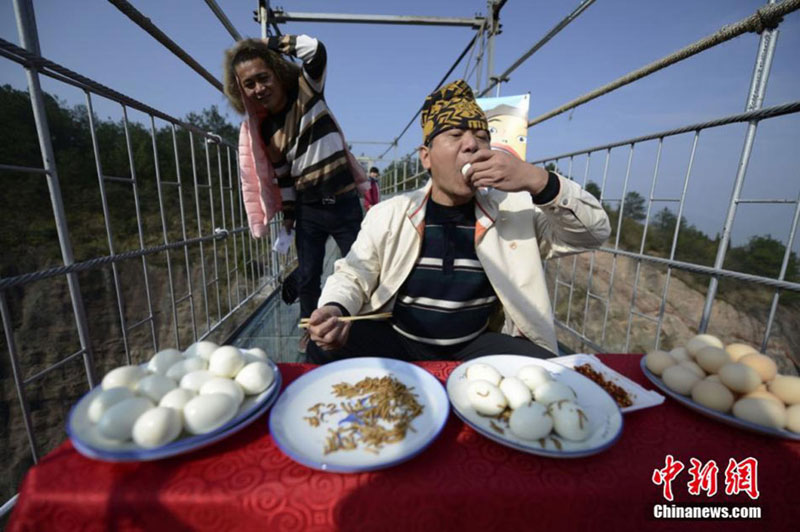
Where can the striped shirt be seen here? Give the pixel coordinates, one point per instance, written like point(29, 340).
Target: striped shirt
point(447, 299)
point(305, 144)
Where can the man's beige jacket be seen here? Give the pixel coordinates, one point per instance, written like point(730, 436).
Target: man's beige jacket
point(512, 237)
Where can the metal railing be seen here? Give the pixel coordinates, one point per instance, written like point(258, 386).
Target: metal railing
point(234, 270)
point(582, 328)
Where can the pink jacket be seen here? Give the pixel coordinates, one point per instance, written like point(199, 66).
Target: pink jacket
point(260, 191)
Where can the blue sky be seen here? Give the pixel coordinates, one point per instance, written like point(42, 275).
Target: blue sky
point(379, 75)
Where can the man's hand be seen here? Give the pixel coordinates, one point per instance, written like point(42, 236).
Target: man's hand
point(326, 329)
point(503, 171)
point(288, 224)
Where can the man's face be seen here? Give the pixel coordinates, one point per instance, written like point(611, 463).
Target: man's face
point(261, 84)
point(447, 153)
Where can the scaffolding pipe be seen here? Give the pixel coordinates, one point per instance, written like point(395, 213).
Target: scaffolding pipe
point(224, 19)
point(406, 20)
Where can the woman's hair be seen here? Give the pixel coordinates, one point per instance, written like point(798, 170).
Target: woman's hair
point(246, 50)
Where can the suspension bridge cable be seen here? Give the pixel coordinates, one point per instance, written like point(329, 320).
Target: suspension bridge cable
point(764, 18)
point(452, 68)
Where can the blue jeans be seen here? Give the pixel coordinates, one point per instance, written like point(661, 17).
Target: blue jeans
point(315, 223)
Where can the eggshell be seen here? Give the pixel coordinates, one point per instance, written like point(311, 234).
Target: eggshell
point(205, 413)
point(680, 354)
point(737, 351)
point(255, 377)
point(713, 395)
point(694, 345)
point(530, 421)
point(187, 365)
point(483, 372)
point(177, 399)
point(223, 385)
point(105, 400)
point(658, 361)
point(126, 376)
point(712, 358)
point(162, 361)
point(157, 426)
point(155, 386)
point(761, 412)
point(117, 422)
point(793, 418)
point(787, 388)
point(739, 377)
point(680, 379)
point(254, 354)
point(202, 349)
point(569, 420)
point(693, 367)
point(226, 361)
point(516, 392)
point(194, 380)
point(553, 391)
point(762, 364)
point(486, 398)
point(533, 376)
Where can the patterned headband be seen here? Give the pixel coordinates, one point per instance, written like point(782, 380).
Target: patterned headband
point(452, 106)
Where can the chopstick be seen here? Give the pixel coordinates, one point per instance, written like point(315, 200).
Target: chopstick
point(380, 316)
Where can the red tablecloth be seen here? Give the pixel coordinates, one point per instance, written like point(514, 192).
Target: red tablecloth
point(463, 481)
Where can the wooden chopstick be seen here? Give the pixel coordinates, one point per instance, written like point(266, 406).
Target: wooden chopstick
point(380, 316)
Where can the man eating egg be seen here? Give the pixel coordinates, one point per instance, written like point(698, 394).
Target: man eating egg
point(444, 259)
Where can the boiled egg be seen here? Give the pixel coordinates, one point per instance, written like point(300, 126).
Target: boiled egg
point(158, 426)
point(569, 420)
point(105, 400)
point(126, 376)
point(516, 392)
point(117, 422)
point(255, 377)
point(484, 372)
point(533, 376)
point(226, 361)
point(205, 413)
point(530, 421)
point(486, 398)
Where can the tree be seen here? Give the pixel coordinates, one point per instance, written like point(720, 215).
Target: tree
point(593, 189)
point(634, 206)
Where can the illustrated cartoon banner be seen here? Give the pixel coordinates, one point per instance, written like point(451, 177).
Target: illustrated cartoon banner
point(508, 122)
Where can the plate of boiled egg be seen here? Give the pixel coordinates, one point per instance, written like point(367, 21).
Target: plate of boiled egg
point(175, 403)
point(535, 406)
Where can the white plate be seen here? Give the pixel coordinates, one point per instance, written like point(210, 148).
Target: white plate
point(605, 418)
point(640, 397)
point(89, 442)
point(728, 419)
point(305, 444)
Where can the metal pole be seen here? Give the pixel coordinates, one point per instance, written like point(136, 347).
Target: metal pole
point(755, 98)
point(490, 46)
point(263, 6)
point(224, 20)
point(26, 26)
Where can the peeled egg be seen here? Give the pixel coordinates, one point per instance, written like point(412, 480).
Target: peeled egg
point(105, 400)
point(764, 394)
point(737, 351)
point(761, 412)
point(205, 413)
point(693, 367)
point(194, 380)
point(483, 372)
point(569, 420)
point(533, 376)
point(156, 427)
point(254, 354)
point(679, 379)
point(126, 376)
point(680, 354)
point(202, 349)
point(530, 421)
point(516, 392)
point(255, 377)
point(486, 398)
point(739, 377)
point(658, 361)
point(187, 365)
point(713, 395)
point(713, 378)
point(793, 418)
point(226, 361)
point(695, 344)
point(787, 388)
point(162, 360)
point(712, 358)
point(762, 364)
point(223, 385)
point(177, 399)
point(553, 391)
point(117, 422)
point(155, 386)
